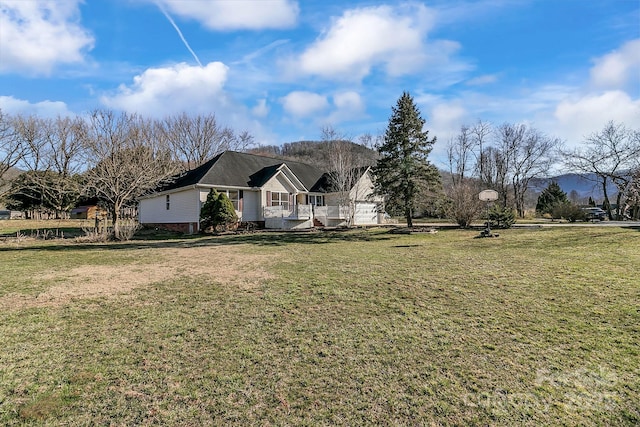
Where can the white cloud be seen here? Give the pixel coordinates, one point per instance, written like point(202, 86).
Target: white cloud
point(236, 14)
point(11, 105)
point(614, 70)
point(304, 104)
point(348, 101)
point(360, 39)
point(590, 113)
point(348, 106)
point(445, 119)
point(482, 80)
point(37, 35)
point(260, 109)
point(161, 91)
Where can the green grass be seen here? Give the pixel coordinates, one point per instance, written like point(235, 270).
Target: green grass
point(59, 228)
point(536, 327)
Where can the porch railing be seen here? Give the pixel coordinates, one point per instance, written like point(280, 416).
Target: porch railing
point(332, 212)
point(297, 212)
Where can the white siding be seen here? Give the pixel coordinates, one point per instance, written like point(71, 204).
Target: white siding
point(332, 199)
point(251, 207)
point(363, 190)
point(278, 183)
point(184, 206)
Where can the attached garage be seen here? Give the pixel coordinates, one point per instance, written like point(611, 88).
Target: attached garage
point(366, 214)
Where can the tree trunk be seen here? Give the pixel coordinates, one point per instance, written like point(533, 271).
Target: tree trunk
point(606, 202)
point(115, 220)
point(618, 206)
point(408, 216)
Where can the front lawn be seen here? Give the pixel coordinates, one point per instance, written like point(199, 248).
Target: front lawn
point(536, 327)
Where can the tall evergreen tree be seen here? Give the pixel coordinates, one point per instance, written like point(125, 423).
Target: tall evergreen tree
point(550, 197)
point(403, 175)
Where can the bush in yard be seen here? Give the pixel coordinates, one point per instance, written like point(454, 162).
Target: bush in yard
point(464, 205)
point(501, 217)
point(218, 212)
point(568, 211)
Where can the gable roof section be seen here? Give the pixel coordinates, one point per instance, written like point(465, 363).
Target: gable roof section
point(291, 177)
point(234, 169)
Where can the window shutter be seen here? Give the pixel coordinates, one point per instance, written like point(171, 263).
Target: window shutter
point(268, 198)
point(240, 200)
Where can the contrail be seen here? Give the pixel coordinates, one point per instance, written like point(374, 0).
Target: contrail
point(179, 33)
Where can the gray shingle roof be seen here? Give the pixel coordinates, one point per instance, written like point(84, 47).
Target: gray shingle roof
point(234, 169)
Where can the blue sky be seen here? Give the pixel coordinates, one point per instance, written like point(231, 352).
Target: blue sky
point(282, 69)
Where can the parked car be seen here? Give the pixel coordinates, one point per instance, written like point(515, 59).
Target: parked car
point(591, 214)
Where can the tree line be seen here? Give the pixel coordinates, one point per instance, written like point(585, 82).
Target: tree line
point(119, 157)
point(113, 157)
point(507, 158)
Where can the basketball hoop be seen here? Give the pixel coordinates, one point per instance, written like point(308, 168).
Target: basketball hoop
point(488, 195)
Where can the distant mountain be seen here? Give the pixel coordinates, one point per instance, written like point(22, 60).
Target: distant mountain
point(313, 152)
point(585, 185)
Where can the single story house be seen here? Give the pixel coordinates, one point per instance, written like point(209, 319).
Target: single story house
point(273, 193)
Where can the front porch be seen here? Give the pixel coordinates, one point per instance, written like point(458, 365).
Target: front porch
point(288, 218)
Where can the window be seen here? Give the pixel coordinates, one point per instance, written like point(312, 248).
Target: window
point(316, 200)
point(168, 202)
point(235, 196)
point(280, 199)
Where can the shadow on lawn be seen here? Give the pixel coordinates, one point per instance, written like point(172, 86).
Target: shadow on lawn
point(259, 239)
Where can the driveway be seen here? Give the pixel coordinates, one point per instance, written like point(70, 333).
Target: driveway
point(629, 224)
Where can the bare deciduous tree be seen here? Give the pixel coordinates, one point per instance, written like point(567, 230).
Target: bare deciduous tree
point(63, 159)
point(31, 133)
point(516, 155)
point(51, 156)
point(196, 139)
point(344, 168)
point(495, 173)
point(610, 155)
point(10, 149)
point(462, 192)
point(126, 159)
point(480, 133)
point(531, 155)
point(519, 154)
point(468, 156)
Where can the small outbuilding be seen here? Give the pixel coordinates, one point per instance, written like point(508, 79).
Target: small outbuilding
point(88, 212)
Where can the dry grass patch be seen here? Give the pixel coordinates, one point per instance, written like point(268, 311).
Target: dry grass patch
point(228, 265)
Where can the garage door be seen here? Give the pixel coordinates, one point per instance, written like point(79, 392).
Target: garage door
point(365, 214)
